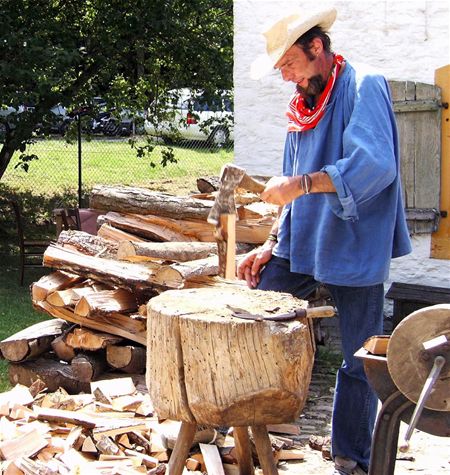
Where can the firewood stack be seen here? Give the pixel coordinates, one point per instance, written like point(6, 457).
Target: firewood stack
point(147, 242)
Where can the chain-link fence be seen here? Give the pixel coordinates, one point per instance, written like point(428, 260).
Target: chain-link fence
point(65, 169)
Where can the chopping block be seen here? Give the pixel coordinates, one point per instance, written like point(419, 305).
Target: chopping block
point(208, 366)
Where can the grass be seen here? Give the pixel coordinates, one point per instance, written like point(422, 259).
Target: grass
point(109, 162)
point(16, 311)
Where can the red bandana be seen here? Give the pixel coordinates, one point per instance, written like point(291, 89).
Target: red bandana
point(300, 116)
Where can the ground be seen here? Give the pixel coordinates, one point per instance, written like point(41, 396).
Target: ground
point(428, 454)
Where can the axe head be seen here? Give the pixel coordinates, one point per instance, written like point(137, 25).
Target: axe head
point(230, 178)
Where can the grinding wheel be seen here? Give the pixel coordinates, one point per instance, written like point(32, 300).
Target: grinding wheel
point(407, 365)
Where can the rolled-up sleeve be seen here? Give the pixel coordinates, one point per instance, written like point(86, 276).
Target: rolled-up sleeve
point(368, 164)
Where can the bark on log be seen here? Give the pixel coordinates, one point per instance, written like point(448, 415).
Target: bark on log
point(130, 359)
point(205, 366)
point(174, 276)
point(208, 184)
point(143, 201)
point(88, 366)
point(32, 341)
point(115, 323)
point(105, 301)
point(173, 251)
point(53, 373)
point(88, 244)
point(111, 272)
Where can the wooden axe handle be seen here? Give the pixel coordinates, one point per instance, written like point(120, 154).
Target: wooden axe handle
point(250, 184)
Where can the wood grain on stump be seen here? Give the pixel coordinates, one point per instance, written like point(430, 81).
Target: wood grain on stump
point(205, 366)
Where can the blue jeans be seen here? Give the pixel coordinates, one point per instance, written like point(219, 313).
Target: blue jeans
point(360, 311)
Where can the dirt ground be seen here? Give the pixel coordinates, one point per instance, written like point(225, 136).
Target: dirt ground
point(428, 455)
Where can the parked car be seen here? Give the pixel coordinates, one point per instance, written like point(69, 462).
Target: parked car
point(186, 115)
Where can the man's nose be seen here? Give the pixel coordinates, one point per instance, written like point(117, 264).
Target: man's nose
point(286, 75)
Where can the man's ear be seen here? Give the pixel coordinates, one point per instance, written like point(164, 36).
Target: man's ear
point(316, 46)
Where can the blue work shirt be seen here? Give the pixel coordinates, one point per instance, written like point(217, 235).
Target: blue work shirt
point(347, 237)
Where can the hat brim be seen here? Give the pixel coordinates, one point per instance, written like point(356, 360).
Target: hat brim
point(264, 63)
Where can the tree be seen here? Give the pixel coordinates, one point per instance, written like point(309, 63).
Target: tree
point(67, 51)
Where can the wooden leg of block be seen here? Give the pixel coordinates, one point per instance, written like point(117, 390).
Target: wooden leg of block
point(243, 450)
point(264, 450)
point(181, 449)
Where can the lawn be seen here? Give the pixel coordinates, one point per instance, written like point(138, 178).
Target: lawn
point(16, 311)
point(52, 181)
point(111, 161)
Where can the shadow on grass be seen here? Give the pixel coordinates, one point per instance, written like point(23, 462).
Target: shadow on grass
point(16, 309)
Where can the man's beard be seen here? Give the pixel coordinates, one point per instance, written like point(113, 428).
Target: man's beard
point(315, 86)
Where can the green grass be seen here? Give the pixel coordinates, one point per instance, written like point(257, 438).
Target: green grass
point(16, 310)
point(109, 162)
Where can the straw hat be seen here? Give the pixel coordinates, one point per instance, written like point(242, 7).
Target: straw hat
point(285, 32)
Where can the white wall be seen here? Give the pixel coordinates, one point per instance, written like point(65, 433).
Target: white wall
point(407, 40)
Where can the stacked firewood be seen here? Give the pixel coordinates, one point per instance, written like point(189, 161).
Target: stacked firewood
point(147, 242)
point(111, 429)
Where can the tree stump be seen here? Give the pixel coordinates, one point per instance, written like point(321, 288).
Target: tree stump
point(206, 366)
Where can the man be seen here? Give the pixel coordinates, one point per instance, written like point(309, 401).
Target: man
point(342, 216)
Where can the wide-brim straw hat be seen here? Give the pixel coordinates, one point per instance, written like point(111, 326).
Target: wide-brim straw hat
point(285, 32)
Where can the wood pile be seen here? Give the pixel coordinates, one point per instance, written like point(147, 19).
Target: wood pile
point(111, 429)
point(147, 242)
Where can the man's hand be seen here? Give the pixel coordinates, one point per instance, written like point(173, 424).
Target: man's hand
point(281, 190)
point(250, 267)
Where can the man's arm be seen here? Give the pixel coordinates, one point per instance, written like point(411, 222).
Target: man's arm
point(283, 190)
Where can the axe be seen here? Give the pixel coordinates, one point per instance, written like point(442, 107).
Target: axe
point(223, 214)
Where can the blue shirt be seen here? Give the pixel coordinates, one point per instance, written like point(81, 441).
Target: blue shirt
point(348, 237)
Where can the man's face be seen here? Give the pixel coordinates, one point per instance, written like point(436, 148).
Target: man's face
point(296, 67)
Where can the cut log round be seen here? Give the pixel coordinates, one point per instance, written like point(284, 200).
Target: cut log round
point(88, 244)
point(208, 367)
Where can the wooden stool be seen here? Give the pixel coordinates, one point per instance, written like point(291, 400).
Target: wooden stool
point(207, 366)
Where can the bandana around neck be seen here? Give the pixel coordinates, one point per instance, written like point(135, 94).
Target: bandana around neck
point(300, 116)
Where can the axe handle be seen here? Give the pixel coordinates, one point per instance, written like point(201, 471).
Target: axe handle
point(250, 184)
point(313, 312)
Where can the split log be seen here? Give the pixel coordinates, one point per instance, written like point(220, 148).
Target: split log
point(64, 298)
point(32, 341)
point(63, 351)
point(174, 276)
point(53, 373)
point(130, 359)
point(171, 251)
point(155, 228)
point(114, 323)
point(111, 233)
point(23, 446)
point(50, 283)
point(111, 272)
point(119, 300)
point(63, 416)
point(115, 387)
point(143, 201)
point(88, 366)
point(237, 368)
point(88, 244)
point(89, 340)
